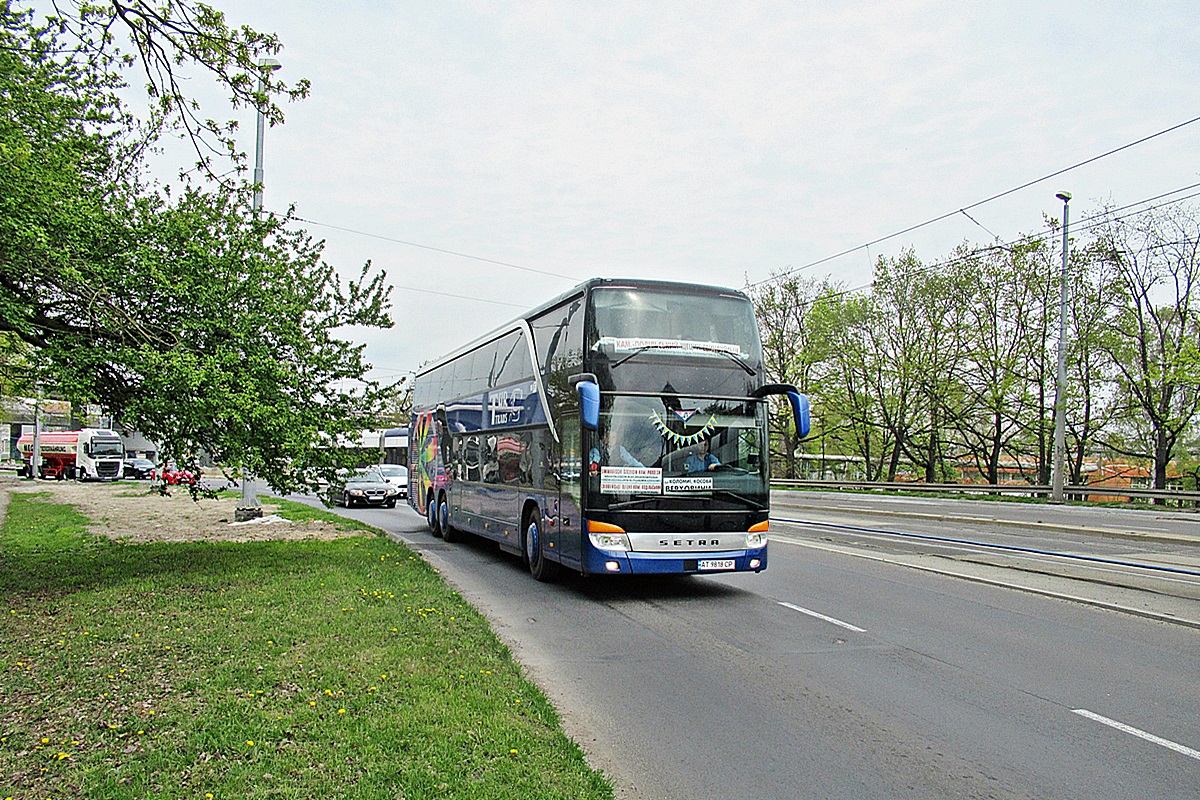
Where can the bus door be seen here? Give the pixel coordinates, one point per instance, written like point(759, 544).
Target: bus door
point(569, 533)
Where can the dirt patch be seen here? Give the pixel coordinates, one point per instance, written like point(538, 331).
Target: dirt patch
point(133, 512)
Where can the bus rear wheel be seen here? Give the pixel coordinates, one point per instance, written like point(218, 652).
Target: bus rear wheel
point(540, 567)
point(450, 533)
point(431, 516)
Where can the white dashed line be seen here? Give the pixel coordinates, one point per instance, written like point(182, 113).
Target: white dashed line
point(831, 620)
point(1149, 737)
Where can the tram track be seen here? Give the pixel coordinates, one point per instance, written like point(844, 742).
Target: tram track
point(1162, 585)
point(1191, 573)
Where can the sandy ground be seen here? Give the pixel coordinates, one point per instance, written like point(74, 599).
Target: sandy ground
point(132, 511)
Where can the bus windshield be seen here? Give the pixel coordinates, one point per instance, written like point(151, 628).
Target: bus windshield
point(628, 321)
point(674, 449)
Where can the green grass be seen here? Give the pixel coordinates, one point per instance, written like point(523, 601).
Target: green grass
point(274, 669)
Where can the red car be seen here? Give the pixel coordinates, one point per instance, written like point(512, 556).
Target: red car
point(173, 475)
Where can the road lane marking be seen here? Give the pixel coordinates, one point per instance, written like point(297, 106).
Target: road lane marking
point(1149, 737)
point(837, 622)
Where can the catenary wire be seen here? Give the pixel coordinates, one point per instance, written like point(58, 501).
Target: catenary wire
point(437, 249)
point(976, 204)
point(1082, 226)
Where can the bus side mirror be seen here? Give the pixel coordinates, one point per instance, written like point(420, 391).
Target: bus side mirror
point(801, 413)
point(799, 402)
point(589, 399)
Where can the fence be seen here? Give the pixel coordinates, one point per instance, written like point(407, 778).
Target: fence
point(1073, 493)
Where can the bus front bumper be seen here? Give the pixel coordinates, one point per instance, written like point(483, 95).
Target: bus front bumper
point(626, 562)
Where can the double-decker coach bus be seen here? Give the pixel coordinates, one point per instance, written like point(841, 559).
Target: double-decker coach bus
point(619, 428)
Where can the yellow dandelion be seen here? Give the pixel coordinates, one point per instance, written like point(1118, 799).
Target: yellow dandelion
point(249, 743)
point(341, 711)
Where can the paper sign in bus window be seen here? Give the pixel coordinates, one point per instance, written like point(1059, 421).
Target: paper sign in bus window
point(683, 485)
point(631, 480)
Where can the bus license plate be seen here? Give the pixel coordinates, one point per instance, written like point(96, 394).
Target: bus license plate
point(718, 563)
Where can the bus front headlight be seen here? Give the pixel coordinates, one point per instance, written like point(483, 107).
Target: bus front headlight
point(755, 540)
point(609, 541)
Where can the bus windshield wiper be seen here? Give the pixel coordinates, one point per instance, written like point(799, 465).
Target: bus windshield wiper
point(628, 504)
point(728, 494)
point(735, 359)
point(724, 494)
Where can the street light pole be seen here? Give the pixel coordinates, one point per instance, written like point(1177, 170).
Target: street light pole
point(271, 65)
point(248, 507)
point(1060, 388)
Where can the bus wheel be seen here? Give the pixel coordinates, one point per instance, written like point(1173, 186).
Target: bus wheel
point(449, 532)
point(431, 516)
point(540, 567)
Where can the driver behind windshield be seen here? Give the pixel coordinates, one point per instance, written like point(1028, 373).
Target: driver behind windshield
point(701, 460)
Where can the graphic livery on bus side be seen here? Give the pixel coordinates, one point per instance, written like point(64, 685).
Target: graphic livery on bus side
point(620, 428)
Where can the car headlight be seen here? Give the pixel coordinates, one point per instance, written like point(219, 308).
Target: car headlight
point(355, 492)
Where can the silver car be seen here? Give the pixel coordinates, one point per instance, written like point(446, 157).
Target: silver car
point(396, 475)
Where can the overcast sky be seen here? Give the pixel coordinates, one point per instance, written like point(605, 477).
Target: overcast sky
point(710, 142)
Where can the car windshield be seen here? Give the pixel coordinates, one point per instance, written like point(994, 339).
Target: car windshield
point(393, 470)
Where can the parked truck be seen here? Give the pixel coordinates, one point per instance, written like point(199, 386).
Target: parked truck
point(87, 454)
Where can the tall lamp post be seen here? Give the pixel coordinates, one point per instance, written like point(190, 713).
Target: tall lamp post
point(1060, 388)
point(248, 507)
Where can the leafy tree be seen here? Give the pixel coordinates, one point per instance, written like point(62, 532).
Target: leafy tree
point(915, 332)
point(794, 349)
point(849, 400)
point(203, 325)
point(1004, 289)
point(1151, 266)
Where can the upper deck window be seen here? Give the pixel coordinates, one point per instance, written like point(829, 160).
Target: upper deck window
point(628, 320)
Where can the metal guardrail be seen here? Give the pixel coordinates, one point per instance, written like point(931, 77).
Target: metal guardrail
point(1030, 490)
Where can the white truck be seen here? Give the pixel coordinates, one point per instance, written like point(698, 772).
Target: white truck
point(87, 454)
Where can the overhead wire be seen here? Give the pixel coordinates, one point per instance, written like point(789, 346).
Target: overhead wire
point(793, 270)
point(1084, 225)
point(455, 253)
point(978, 203)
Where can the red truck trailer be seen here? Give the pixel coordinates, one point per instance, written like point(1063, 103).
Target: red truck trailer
point(87, 454)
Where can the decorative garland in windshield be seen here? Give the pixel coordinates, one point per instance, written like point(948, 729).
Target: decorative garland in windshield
point(678, 438)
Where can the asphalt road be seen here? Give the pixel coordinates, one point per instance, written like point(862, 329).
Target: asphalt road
point(847, 671)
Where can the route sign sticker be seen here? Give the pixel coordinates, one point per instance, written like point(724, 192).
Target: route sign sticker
point(683, 485)
point(631, 480)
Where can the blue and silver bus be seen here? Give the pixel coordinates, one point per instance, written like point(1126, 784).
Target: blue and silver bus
point(620, 428)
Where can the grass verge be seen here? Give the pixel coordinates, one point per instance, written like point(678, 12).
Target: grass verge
point(268, 669)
